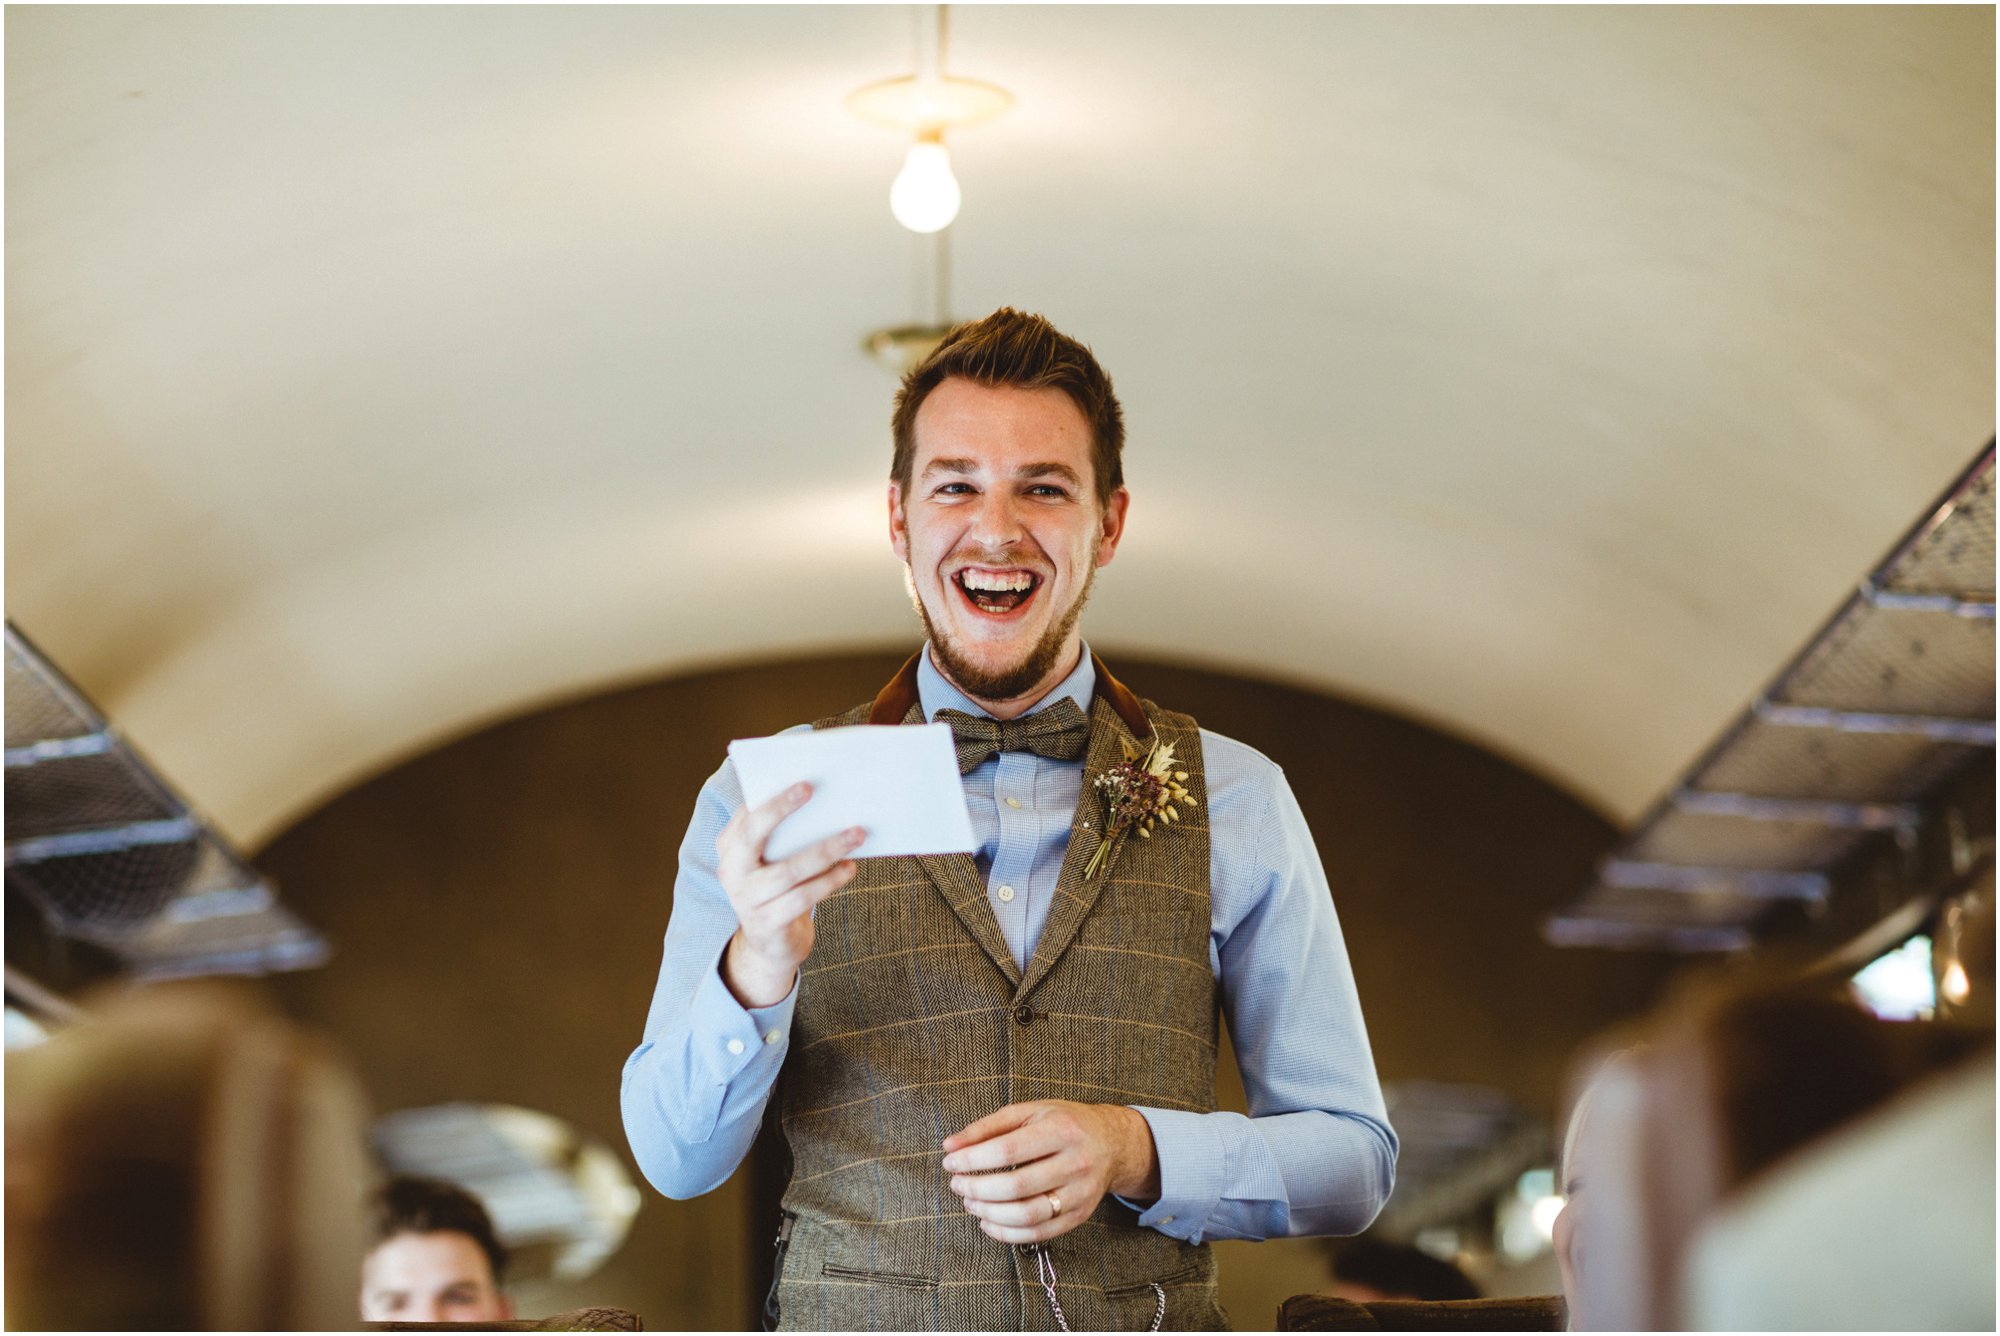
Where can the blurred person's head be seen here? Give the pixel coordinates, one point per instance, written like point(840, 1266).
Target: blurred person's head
point(1366, 1270)
point(435, 1258)
point(1569, 1182)
point(1599, 1235)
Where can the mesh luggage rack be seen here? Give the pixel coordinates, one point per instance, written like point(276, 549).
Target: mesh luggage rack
point(1874, 718)
point(110, 854)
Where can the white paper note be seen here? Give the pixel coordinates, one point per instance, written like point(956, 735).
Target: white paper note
point(898, 782)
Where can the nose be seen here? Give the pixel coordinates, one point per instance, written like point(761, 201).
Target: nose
point(426, 1309)
point(996, 524)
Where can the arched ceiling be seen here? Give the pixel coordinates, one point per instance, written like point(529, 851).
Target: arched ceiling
point(1547, 374)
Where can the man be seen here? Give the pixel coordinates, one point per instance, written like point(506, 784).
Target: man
point(1017, 1047)
point(435, 1259)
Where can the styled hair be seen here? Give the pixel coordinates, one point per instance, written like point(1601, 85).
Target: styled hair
point(1011, 347)
point(411, 1205)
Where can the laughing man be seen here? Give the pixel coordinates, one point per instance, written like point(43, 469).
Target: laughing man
point(994, 1072)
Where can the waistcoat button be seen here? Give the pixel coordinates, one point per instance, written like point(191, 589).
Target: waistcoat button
point(1023, 1014)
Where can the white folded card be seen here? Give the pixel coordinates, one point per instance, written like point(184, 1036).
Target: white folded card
point(898, 782)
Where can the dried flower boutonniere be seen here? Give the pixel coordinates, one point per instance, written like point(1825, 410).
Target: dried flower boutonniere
point(1138, 791)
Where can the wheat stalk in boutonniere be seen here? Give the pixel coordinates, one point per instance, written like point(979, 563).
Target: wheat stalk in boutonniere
point(1140, 790)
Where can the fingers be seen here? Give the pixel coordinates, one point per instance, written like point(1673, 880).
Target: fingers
point(1014, 1166)
point(740, 847)
point(1030, 1221)
point(812, 860)
point(753, 884)
point(800, 899)
point(1029, 1181)
point(992, 1125)
point(1019, 1145)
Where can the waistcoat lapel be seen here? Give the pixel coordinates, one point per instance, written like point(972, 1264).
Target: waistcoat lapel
point(1115, 714)
point(1075, 897)
point(957, 879)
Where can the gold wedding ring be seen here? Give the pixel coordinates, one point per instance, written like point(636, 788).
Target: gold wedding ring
point(1055, 1204)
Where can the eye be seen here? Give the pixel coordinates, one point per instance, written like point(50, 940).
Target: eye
point(954, 489)
point(1048, 490)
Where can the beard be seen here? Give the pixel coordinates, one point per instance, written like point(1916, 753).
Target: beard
point(1013, 681)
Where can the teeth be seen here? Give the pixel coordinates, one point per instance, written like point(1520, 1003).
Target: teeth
point(998, 584)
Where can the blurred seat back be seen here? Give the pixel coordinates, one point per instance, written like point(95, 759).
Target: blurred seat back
point(185, 1159)
point(1323, 1312)
point(1730, 1083)
point(1887, 1224)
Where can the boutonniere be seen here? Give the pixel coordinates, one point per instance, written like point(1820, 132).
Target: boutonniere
point(1138, 791)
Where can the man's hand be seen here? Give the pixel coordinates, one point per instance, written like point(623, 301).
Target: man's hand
point(774, 901)
point(1049, 1153)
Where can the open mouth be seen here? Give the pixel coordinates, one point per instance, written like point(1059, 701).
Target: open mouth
point(997, 593)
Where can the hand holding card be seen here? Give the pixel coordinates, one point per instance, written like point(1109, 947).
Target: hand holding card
point(900, 783)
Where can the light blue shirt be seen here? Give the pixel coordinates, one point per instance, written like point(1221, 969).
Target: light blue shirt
point(1315, 1156)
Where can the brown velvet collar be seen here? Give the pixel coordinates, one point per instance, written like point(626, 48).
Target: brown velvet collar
point(893, 702)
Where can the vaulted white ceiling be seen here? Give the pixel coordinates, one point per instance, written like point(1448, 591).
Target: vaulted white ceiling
point(1546, 374)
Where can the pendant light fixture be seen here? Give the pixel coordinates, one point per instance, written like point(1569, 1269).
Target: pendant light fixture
point(925, 195)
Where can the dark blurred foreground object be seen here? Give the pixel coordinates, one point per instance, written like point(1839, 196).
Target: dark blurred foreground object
point(1369, 1270)
point(183, 1159)
point(577, 1319)
point(1737, 1084)
point(1320, 1312)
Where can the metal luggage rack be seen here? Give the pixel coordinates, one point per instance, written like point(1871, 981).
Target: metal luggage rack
point(1851, 745)
point(111, 854)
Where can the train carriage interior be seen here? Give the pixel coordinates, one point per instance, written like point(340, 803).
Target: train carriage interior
point(1561, 438)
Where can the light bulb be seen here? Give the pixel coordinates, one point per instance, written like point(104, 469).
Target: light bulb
point(924, 196)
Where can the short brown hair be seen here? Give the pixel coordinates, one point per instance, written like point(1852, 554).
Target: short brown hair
point(411, 1205)
point(1011, 347)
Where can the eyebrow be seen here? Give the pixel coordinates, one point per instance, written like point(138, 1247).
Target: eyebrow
point(1043, 470)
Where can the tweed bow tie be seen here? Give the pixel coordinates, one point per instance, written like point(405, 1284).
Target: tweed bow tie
point(1060, 732)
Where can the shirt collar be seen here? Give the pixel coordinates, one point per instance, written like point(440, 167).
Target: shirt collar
point(935, 692)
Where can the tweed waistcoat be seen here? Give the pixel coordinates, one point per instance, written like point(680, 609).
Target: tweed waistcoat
point(913, 1020)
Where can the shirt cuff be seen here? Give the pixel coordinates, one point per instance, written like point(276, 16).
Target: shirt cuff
point(729, 1041)
point(1189, 1150)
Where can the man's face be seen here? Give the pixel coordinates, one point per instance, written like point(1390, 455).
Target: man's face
point(440, 1276)
point(1002, 534)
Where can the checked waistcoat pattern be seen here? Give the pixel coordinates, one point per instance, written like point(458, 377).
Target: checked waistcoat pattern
point(913, 1020)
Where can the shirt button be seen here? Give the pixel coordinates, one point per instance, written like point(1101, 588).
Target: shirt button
point(772, 1038)
point(736, 1046)
point(1013, 802)
point(1006, 894)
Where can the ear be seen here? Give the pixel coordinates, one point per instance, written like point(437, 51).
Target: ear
point(1111, 525)
point(899, 527)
